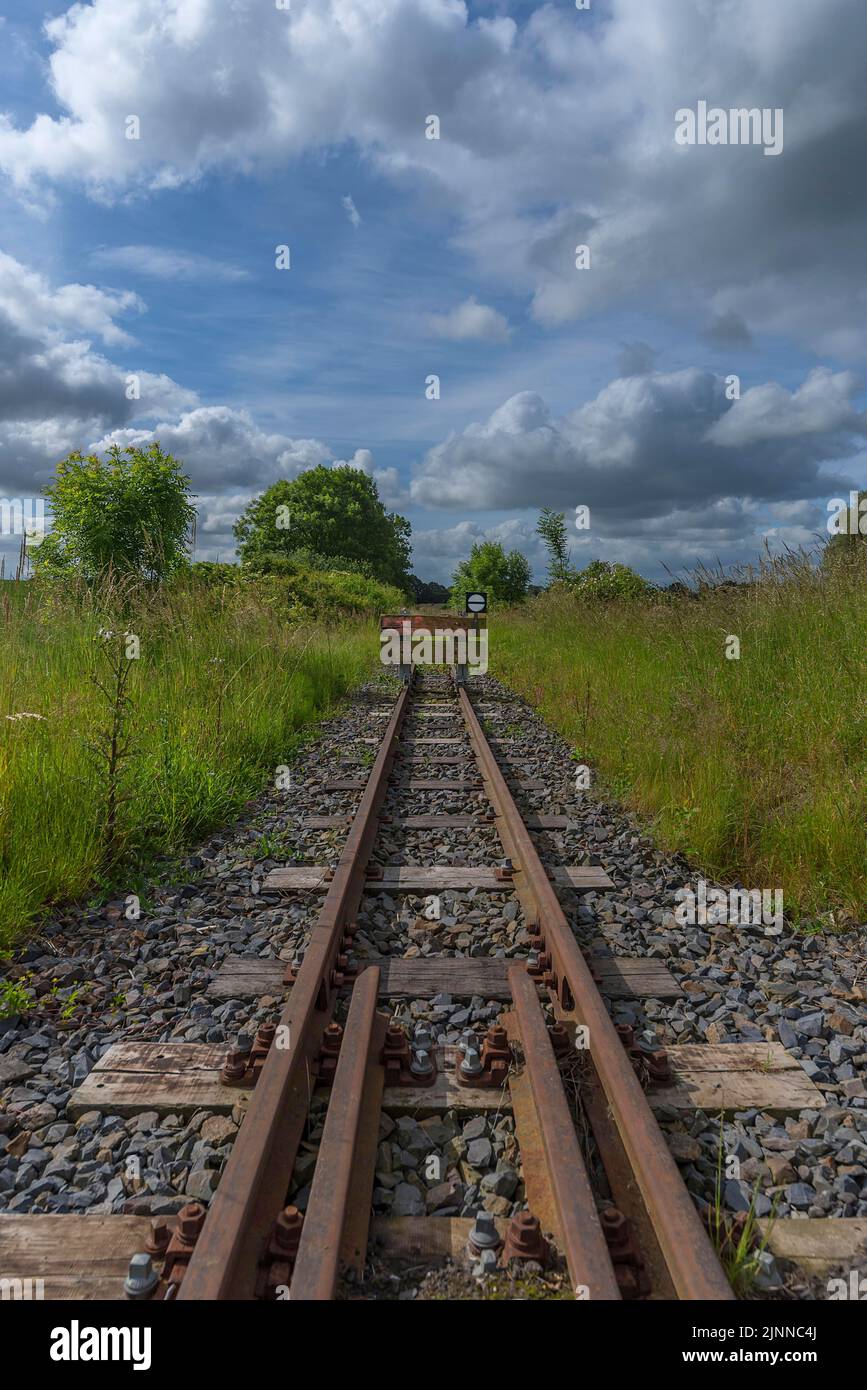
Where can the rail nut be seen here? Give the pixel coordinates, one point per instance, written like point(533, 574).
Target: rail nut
point(483, 1234)
point(422, 1062)
point(471, 1066)
point(159, 1237)
point(142, 1278)
point(524, 1240)
point(560, 1040)
point(191, 1219)
point(235, 1067)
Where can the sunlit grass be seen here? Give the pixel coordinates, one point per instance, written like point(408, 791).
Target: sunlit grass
point(757, 767)
point(226, 684)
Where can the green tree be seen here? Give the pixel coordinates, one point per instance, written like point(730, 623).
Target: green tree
point(129, 513)
point(603, 579)
point(334, 513)
point(551, 526)
point(504, 578)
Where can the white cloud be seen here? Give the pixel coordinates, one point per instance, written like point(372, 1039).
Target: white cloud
point(645, 447)
point(555, 130)
point(165, 264)
point(351, 210)
point(470, 320)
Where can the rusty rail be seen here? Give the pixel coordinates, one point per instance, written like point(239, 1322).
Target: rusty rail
point(584, 1243)
point(689, 1256)
point(316, 1264)
point(257, 1174)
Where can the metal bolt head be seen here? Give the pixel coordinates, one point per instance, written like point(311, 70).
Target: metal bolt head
point(421, 1063)
point(190, 1220)
point(483, 1233)
point(472, 1063)
point(141, 1278)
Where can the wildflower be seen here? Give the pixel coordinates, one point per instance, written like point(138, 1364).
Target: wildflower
point(25, 714)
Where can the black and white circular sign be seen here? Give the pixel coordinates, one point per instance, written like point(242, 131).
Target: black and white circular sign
point(477, 603)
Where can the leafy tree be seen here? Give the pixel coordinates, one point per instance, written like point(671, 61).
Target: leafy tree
point(129, 513)
point(603, 579)
point(551, 526)
point(333, 512)
point(504, 578)
point(428, 593)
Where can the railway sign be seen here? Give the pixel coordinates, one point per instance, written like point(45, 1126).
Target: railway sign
point(477, 603)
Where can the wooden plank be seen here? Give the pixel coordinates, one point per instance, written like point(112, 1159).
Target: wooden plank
point(455, 975)
point(635, 977)
point(412, 878)
point(248, 977)
point(167, 1077)
point(436, 822)
point(445, 1093)
point(412, 742)
point(426, 1237)
point(441, 759)
point(818, 1244)
point(413, 784)
point(737, 1076)
point(78, 1256)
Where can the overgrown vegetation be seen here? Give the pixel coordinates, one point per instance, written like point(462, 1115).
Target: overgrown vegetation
point(108, 760)
point(503, 577)
point(755, 767)
point(333, 513)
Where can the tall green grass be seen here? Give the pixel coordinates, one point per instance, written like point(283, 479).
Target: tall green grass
point(757, 767)
point(227, 680)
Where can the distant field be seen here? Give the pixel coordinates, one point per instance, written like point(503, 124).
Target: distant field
point(226, 681)
point(755, 767)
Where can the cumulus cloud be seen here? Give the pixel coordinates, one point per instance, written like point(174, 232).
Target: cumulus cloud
point(470, 320)
point(555, 131)
point(649, 447)
point(57, 392)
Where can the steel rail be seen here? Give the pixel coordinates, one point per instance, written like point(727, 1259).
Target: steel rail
point(253, 1186)
point(692, 1263)
point(317, 1260)
point(583, 1240)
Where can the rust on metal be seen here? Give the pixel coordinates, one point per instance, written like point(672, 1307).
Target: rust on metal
point(695, 1270)
point(584, 1244)
point(396, 1058)
point(317, 1261)
point(256, 1177)
point(184, 1238)
point(525, 1241)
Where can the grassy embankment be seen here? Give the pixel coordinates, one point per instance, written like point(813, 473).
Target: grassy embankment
point(228, 678)
point(756, 768)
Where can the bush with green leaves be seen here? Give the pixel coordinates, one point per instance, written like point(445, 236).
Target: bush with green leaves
point(504, 578)
point(607, 580)
point(334, 513)
point(128, 514)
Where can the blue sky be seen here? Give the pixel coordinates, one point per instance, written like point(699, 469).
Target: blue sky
point(455, 257)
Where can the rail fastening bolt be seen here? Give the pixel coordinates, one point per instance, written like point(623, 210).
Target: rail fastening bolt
point(141, 1278)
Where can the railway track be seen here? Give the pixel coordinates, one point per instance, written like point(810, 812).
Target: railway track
point(644, 1238)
